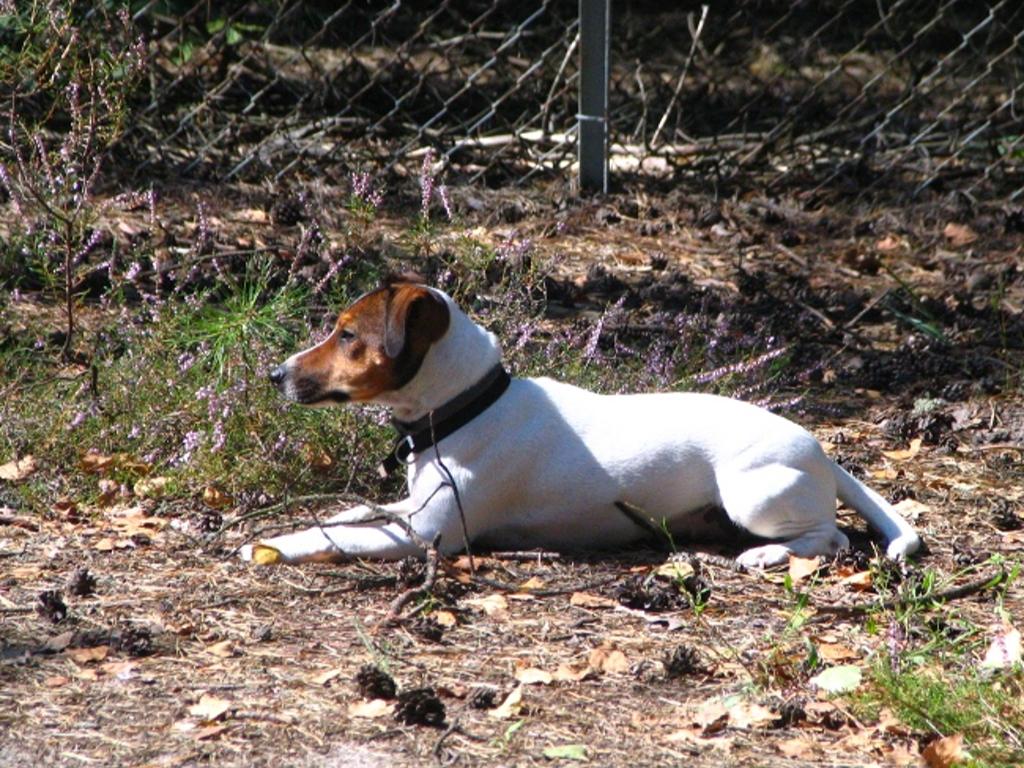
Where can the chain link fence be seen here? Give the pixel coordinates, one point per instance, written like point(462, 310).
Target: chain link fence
point(834, 97)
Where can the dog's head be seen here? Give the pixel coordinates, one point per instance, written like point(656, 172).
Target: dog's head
point(377, 346)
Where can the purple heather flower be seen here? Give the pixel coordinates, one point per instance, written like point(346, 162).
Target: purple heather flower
point(5, 180)
point(189, 443)
point(446, 202)
point(427, 183)
point(219, 437)
point(896, 641)
point(94, 237)
point(362, 188)
point(77, 421)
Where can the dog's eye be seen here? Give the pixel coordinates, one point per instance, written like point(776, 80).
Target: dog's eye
point(346, 335)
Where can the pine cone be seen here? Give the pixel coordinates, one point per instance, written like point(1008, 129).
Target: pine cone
point(81, 583)
point(420, 706)
point(482, 697)
point(135, 641)
point(684, 660)
point(375, 683)
point(287, 211)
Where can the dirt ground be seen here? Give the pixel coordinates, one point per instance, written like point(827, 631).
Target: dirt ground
point(907, 325)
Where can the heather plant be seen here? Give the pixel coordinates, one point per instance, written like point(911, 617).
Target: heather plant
point(59, 136)
point(424, 230)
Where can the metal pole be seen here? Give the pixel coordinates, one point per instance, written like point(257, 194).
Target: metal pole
point(593, 98)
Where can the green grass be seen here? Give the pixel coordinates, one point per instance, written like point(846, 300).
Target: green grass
point(953, 696)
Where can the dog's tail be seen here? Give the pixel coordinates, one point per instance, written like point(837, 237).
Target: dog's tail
point(901, 539)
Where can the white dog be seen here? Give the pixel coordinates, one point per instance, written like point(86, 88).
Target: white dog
point(538, 463)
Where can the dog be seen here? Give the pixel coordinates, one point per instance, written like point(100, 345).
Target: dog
point(496, 462)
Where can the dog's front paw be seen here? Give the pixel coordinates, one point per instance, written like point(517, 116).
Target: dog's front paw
point(260, 554)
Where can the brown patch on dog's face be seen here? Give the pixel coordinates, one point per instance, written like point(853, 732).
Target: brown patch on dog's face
point(378, 344)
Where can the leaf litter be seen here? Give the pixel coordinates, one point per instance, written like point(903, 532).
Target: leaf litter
point(635, 672)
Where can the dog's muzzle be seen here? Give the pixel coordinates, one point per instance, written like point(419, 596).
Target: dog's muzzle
point(277, 376)
point(303, 389)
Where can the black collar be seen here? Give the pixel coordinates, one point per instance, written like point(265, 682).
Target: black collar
point(416, 436)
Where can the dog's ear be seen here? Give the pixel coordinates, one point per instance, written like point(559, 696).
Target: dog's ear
point(416, 318)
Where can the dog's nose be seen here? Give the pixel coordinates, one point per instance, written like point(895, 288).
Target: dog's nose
point(277, 376)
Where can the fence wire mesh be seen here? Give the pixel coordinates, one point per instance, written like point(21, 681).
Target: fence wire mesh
point(840, 96)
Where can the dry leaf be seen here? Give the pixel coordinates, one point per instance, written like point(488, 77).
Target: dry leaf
point(1005, 649)
point(85, 655)
point(122, 670)
point(209, 708)
point(910, 509)
point(711, 716)
point(889, 243)
point(216, 498)
point(673, 569)
point(587, 600)
point(252, 216)
point(945, 752)
point(18, 469)
point(696, 736)
point(802, 567)
point(959, 235)
point(836, 652)
point(901, 753)
point(96, 463)
point(905, 453)
point(532, 676)
point(326, 676)
point(838, 679)
point(371, 709)
point(26, 572)
point(446, 619)
point(608, 660)
point(317, 458)
point(569, 674)
point(132, 521)
point(861, 581)
point(151, 487)
point(224, 649)
point(56, 681)
point(58, 643)
point(108, 490)
point(797, 748)
point(748, 714)
point(531, 583)
point(492, 605)
point(510, 706)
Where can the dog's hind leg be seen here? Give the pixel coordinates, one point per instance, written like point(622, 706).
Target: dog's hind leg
point(793, 505)
point(824, 542)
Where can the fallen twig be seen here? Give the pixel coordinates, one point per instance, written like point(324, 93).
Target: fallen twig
point(19, 522)
point(566, 590)
point(394, 614)
point(526, 556)
point(953, 593)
